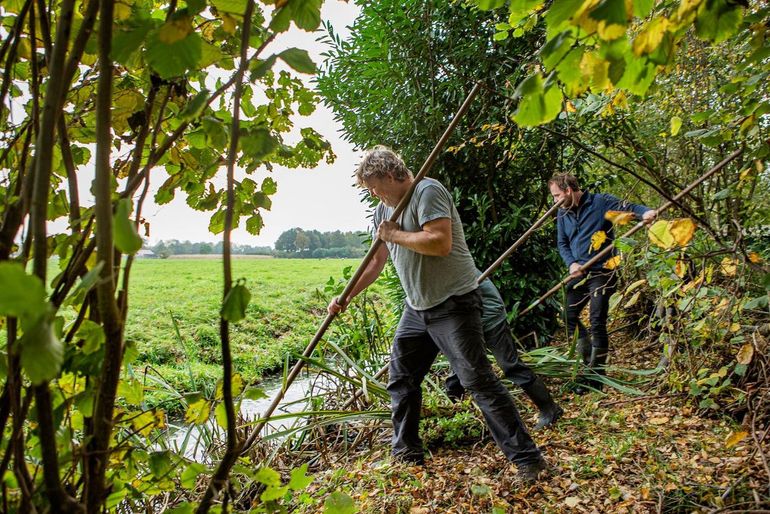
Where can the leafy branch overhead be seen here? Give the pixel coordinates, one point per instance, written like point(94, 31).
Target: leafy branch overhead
point(619, 47)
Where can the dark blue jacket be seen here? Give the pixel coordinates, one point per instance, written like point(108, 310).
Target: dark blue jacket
point(575, 226)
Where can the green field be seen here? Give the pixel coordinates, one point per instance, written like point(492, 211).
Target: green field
point(287, 306)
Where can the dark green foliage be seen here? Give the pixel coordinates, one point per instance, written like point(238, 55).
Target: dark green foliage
point(398, 81)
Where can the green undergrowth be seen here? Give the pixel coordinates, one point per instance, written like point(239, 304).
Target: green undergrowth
point(287, 306)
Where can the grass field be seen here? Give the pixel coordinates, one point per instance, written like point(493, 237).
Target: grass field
point(285, 311)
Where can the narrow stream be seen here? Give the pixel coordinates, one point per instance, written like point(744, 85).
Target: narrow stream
point(193, 441)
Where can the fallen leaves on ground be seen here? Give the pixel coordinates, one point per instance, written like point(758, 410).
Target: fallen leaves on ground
point(609, 453)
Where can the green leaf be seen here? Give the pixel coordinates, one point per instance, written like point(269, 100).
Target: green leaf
point(190, 475)
point(537, 105)
point(306, 13)
point(127, 41)
point(281, 19)
point(268, 476)
point(254, 224)
point(255, 393)
point(558, 15)
point(132, 391)
point(717, 20)
point(299, 479)
point(92, 335)
point(261, 200)
point(299, 60)
point(339, 503)
point(220, 415)
point(230, 6)
point(260, 68)
point(217, 222)
point(555, 49)
point(42, 353)
point(160, 463)
point(269, 186)
point(210, 54)
point(487, 5)
point(273, 493)
point(520, 9)
point(173, 60)
point(194, 107)
point(643, 7)
point(127, 240)
point(235, 303)
point(258, 143)
point(21, 295)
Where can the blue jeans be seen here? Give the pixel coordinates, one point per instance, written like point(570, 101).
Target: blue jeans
point(453, 328)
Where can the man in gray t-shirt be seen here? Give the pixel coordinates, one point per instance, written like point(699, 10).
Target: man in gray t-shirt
point(442, 311)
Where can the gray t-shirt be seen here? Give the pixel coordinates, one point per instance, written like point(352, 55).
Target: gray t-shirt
point(429, 280)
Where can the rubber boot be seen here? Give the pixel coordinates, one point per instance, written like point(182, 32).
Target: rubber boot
point(549, 411)
point(596, 366)
point(583, 349)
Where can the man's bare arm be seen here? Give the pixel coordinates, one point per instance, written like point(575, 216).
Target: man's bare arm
point(369, 275)
point(435, 238)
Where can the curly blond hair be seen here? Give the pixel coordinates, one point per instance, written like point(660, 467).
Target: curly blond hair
point(379, 162)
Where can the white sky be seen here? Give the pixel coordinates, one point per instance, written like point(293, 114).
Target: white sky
point(323, 198)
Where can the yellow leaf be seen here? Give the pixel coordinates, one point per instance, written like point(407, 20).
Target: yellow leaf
point(122, 11)
point(595, 69)
point(755, 257)
point(198, 412)
point(175, 30)
point(676, 124)
point(619, 217)
point(729, 266)
point(610, 31)
point(660, 234)
point(569, 107)
point(630, 303)
point(146, 421)
point(681, 268)
point(735, 438)
point(228, 23)
point(735, 327)
point(636, 285)
point(693, 283)
point(597, 240)
point(745, 354)
point(650, 37)
point(620, 100)
point(24, 49)
point(612, 262)
point(659, 421)
point(682, 230)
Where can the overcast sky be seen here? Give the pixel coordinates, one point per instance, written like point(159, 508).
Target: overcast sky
point(322, 198)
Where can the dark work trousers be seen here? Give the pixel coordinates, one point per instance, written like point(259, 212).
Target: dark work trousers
point(453, 328)
point(596, 291)
point(500, 342)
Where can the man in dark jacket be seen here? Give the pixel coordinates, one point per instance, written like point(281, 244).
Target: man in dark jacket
point(584, 230)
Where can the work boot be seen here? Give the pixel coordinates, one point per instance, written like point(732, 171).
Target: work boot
point(530, 473)
point(549, 411)
point(596, 366)
point(583, 349)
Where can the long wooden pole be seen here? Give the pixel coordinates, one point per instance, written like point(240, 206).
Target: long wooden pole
point(370, 254)
point(596, 258)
